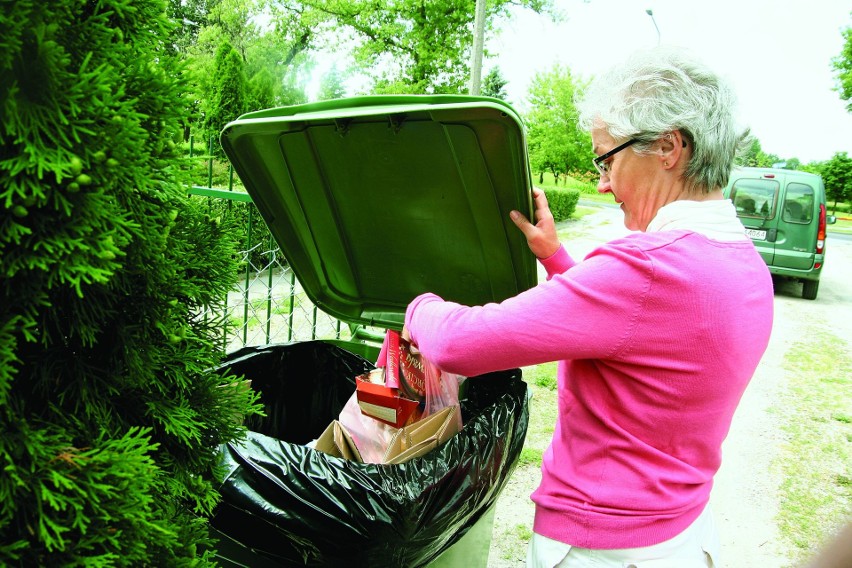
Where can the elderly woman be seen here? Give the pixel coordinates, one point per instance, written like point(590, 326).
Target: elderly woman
point(657, 334)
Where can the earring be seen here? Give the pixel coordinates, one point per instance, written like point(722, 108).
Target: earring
point(666, 164)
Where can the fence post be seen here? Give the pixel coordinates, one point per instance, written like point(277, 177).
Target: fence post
point(210, 163)
point(248, 276)
point(269, 267)
point(292, 304)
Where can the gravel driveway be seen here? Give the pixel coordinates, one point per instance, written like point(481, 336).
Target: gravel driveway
point(745, 496)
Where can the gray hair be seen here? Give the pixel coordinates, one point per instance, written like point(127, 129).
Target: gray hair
point(664, 89)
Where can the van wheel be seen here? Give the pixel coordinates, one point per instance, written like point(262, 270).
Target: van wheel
point(809, 289)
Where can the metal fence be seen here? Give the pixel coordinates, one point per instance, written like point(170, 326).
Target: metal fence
point(268, 305)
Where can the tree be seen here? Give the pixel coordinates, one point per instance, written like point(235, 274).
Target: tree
point(754, 156)
point(494, 85)
point(260, 91)
point(556, 143)
point(110, 415)
point(837, 175)
point(413, 46)
point(187, 17)
point(792, 164)
point(331, 85)
point(843, 66)
point(275, 60)
point(227, 98)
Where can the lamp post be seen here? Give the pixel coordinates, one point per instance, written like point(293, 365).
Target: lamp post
point(651, 13)
point(478, 46)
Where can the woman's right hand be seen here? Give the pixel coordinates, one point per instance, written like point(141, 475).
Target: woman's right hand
point(541, 237)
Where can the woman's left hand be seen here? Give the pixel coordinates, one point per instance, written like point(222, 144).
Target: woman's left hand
point(541, 237)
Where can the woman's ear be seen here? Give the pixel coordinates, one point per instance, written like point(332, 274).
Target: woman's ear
point(671, 148)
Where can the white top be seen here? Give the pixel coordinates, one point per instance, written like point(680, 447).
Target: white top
point(715, 219)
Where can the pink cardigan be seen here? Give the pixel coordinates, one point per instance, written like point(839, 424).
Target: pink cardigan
point(657, 336)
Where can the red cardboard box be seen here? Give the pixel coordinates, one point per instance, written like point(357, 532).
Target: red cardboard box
point(384, 403)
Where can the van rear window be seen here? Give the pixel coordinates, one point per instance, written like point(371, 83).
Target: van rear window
point(755, 197)
point(798, 203)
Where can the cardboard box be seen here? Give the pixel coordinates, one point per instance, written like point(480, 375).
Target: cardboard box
point(409, 442)
point(337, 441)
point(423, 436)
point(383, 403)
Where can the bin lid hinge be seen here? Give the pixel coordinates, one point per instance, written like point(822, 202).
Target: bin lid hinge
point(341, 126)
point(395, 122)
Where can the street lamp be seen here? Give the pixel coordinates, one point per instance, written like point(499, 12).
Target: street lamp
point(478, 47)
point(651, 13)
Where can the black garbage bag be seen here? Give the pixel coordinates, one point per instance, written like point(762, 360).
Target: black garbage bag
point(285, 504)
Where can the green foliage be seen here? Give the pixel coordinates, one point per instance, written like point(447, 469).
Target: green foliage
point(837, 175)
point(562, 202)
point(227, 98)
point(186, 16)
point(274, 57)
point(556, 143)
point(89, 497)
point(260, 91)
point(792, 164)
point(494, 85)
point(753, 156)
point(423, 47)
point(331, 85)
point(843, 66)
point(110, 416)
point(248, 229)
point(402, 47)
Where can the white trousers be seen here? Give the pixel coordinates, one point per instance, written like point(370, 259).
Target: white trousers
point(696, 547)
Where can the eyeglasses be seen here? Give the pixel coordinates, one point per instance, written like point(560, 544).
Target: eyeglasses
point(602, 165)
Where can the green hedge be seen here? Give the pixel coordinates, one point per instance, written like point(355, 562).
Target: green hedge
point(562, 202)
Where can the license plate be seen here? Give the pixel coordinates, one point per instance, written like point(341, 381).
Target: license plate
point(756, 235)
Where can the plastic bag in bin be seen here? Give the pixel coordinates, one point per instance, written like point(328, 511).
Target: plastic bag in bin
point(285, 504)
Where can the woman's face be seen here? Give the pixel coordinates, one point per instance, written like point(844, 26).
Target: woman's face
point(632, 180)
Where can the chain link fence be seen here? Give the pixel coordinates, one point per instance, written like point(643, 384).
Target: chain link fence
point(268, 305)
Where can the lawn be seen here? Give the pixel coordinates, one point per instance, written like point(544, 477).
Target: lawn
point(843, 224)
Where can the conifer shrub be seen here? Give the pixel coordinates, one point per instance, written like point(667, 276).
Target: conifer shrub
point(110, 417)
point(228, 97)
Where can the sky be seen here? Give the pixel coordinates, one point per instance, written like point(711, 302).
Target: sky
point(776, 54)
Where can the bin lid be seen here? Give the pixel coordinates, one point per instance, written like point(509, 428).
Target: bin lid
point(376, 199)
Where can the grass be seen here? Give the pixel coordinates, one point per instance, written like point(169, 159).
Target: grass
point(542, 384)
point(582, 211)
point(843, 225)
point(566, 182)
point(259, 313)
point(523, 532)
point(541, 381)
point(530, 456)
point(816, 493)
